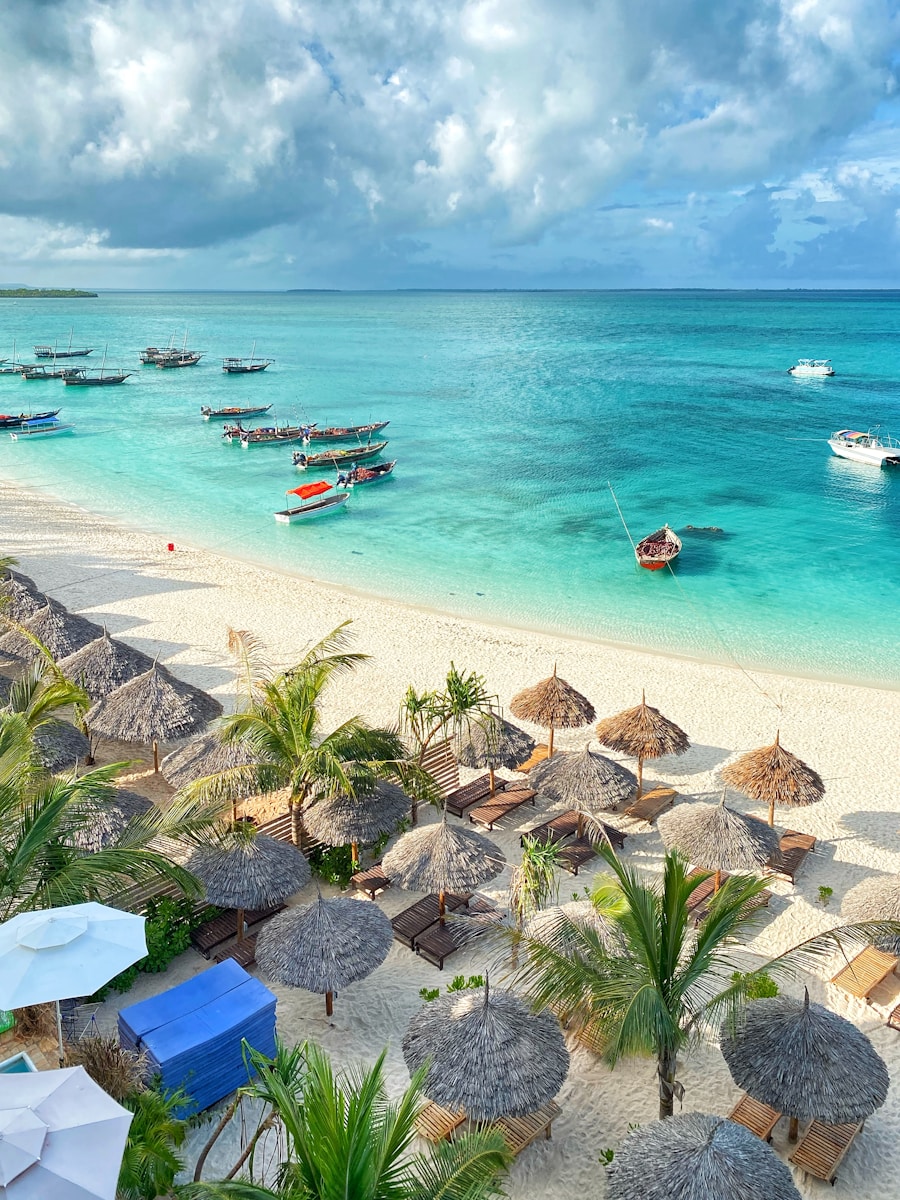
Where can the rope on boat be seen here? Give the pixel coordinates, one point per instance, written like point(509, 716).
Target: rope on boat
point(621, 517)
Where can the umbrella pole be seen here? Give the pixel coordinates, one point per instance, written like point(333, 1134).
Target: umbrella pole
point(550, 746)
point(62, 1053)
point(240, 924)
point(717, 882)
point(155, 757)
point(354, 855)
point(329, 1003)
point(640, 778)
point(794, 1129)
point(491, 774)
point(772, 813)
point(441, 909)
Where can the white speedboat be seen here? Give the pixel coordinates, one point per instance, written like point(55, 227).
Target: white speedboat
point(812, 366)
point(878, 451)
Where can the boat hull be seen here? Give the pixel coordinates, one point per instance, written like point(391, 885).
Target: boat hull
point(375, 475)
point(343, 435)
point(248, 370)
point(873, 456)
point(105, 381)
point(338, 458)
point(224, 414)
point(658, 550)
point(38, 431)
point(811, 372)
point(318, 508)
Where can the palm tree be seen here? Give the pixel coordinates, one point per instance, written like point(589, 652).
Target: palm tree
point(346, 1141)
point(40, 694)
point(533, 882)
point(151, 1159)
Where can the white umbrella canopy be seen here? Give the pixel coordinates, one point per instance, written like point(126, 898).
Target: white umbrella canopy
point(61, 1137)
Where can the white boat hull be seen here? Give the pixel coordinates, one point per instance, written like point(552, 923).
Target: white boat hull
point(875, 456)
point(38, 432)
point(304, 512)
point(811, 371)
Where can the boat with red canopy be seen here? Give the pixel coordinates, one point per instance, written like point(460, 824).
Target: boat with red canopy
point(318, 503)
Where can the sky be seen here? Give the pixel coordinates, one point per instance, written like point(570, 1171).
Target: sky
point(270, 144)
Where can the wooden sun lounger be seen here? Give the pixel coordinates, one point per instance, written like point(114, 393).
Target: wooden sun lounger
point(471, 793)
point(243, 952)
point(574, 855)
point(864, 973)
point(438, 942)
point(823, 1147)
point(759, 1118)
point(436, 1124)
point(557, 830)
point(701, 897)
point(520, 1132)
point(795, 848)
point(413, 921)
point(651, 804)
point(592, 1037)
point(371, 881)
point(538, 754)
point(488, 814)
point(213, 933)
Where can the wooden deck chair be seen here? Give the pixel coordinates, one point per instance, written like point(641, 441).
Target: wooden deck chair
point(795, 848)
point(501, 806)
point(476, 792)
point(538, 755)
point(759, 1118)
point(243, 952)
point(371, 881)
point(823, 1148)
point(413, 921)
point(651, 804)
point(437, 1124)
point(863, 974)
point(520, 1132)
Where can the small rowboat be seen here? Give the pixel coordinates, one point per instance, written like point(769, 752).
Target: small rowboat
point(265, 435)
point(658, 550)
point(212, 414)
point(339, 433)
point(10, 422)
point(336, 458)
point(316, 504)
point(360, 475)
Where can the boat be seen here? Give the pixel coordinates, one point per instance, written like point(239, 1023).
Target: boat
point(54, 352)
point(871, 447)
point(245, 366)
point(339, 433)
point(39, 429)
point(360, 475)
point(336, 458)
point(11, 366)
point(212, 414)
point(318, 504)
point(151, 355)
point(104, 378)
point(181, 358)
point(264, 435)
point(7, 421)
point(658, 550)
point(812, 366)
point(37, 371)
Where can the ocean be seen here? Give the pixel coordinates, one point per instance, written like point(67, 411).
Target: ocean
point(511, 414)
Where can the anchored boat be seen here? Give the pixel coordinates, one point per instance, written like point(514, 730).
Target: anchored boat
point(54, 352)
point(359, 475)
point(41, 428)
point(217, 414)
point(658, 549)
point(265, 435)
point(10, 422)
point(871, 447)
point(317, 504)
point(245, 366)
point(336, 458)
point(339, 433)
point(812, 366)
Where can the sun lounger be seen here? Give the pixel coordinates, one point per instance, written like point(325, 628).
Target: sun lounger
point(438, 942)
point(281, 828)
point(651, 804)
point(823, 1147)
point(213, 933)
point(437, 1124)
point(413, 921)
point(701, 897)
point(574, 855)
point(520, 1132)
point(864, 973)
point(592, 1037)
point(495, 810)
point(795, 848)
point(759, 1118)
point(471, 793)
point(243, 952)
point(557, 830)
point(538, 754)
point(371, 881)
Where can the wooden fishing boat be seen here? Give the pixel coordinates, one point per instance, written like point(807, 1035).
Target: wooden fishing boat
point(338, 433)
point(265, 435)
point(316, 503)
point(658, 549)
point(244, 366)
point(39, 429)
point(213, 414)
point(183, 358)
point(336, 458)
point(151, 355)
point(55, 352)
point(360, 475)
point(104, 379)
point(36, 371)
point(8, 421)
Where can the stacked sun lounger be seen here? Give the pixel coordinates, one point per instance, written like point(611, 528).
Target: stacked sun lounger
point(462, 798)
point(206, 937)
point(193, 1033)
point(413, 921)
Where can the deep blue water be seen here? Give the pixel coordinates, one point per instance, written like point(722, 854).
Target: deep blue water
point(509, 413)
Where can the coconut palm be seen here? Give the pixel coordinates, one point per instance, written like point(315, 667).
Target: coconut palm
point(41, 693)
point(151, 1159)
point(345, 1140)
point(533, 882)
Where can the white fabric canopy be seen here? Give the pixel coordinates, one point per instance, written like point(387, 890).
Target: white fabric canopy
point(61, 1137)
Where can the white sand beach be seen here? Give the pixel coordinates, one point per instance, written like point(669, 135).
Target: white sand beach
point(179, 604)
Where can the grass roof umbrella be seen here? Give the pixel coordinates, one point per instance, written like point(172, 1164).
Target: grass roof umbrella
point(60, 745)
point(20, 598)
point(340, 820)
point(697, 1157)
point(207, 755)
point(806, 1061)
point(60, 631)
point(773, 775)
point(249, 872)
point(554, 704)
point(487, 1053)
point(109, 819)
point(642, 732)
point(443, 858)
point(104, 665)
point(573, 915)
point(584, 780)
point(717, 838)
point(875, 899)
point(493, 742)
point(324, 946)
point(152, 708)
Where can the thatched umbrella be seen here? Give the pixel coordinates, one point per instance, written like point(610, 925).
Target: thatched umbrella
point(61, 632)
point(104, 665)
point(340, 819)
point(875, 899)
point(562, 922)
point(60, 745)
point(205, 755)
point(20, 597)
point(717, 838)
point(586, 781)
point(493, 743)
point(442, 858)
point(324, 946)
point(554, 704)
point(806, 1061)
point(642, 732)
point(772, 775)
point(250, 872)
point(695, 1157)
point(152, 708)
point(109, 819)
point(488, 1053)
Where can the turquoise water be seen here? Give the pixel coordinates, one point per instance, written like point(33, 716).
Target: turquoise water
point(509, 412)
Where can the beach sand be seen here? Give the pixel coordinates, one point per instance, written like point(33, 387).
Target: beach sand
point(178, 605)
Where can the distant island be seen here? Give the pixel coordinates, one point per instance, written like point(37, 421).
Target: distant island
point(26, 293)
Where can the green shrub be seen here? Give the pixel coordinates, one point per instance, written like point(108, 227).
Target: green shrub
point(461, 984)
point(429, 994)
point(760, 986)
point(334, 864)
point(825, 894)
point(170, 920)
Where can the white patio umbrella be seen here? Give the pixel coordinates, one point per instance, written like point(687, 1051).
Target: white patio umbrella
point(59, 953)
point(61, 1137)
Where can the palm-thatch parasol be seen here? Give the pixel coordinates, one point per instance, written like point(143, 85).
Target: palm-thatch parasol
point(152, 708)
point(61, 632)
point(554, 704)
point(642, 732)
point(492, 743)
point(717, 838)
point(108, 819)
point(442, 858)
point(204, 755)
point(875, 899)
point(325, 946)
point(104, 665)
point(586, 781)
point(20, 598)
point(773, 776)
point(340, 819)
point(806, 1061)
point(563, 922)
point(60, 745)
point(250, 872)
point(695, 1157)
point(487, 1053)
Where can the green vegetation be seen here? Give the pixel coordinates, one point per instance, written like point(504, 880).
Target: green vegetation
point(26, 293)
point(825, 894)
point(759, 986)
point(170, 922)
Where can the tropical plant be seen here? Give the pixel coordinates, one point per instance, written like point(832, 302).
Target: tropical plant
point(533, 883)
point(346, 1141)
point(151, 1159)
point(41, 693)
point(115, 1068)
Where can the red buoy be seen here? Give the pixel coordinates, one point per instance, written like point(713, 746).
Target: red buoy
point(171, 546)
